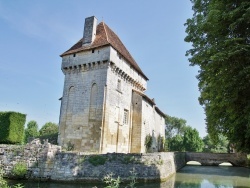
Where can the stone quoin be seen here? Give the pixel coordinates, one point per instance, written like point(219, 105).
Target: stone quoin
point(104, 107)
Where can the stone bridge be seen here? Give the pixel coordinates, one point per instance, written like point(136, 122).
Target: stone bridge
point(214, 159)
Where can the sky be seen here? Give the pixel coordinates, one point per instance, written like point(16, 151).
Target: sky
point(33, 34)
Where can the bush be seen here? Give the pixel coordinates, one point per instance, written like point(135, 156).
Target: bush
point(97, 160)
point(52, 138)
point(3, 182)
point(111, 181)
point(12, 127)
point(19, 170)
point(148, 142)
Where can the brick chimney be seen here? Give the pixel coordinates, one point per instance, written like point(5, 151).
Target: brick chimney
point(89, 32)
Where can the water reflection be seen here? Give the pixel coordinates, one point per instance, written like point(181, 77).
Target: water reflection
point(187, 177)
point(213, 177)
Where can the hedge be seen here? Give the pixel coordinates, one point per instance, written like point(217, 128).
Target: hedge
point(12, 127)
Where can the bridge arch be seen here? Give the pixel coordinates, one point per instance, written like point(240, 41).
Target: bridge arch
point(215, 159)
point(195, 163)
point(226, 164)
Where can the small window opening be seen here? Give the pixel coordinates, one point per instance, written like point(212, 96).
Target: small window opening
point(119, 85)
point(125, 117)
point(93, 51)
point(74, 55)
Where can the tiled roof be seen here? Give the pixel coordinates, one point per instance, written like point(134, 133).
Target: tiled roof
point(105, 36)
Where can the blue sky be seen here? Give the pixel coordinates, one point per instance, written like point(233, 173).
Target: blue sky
point(34, 34)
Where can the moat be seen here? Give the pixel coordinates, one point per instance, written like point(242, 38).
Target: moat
point(189, 176)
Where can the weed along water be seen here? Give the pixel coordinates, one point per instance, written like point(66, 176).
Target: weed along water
point(188, 177)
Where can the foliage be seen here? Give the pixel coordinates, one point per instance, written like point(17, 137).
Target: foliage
point(174, 126)
point(19, 185)
point(128, 159)
point(19, 170)
point(97, 160)
point(31, 131)
point(192, 140)
point(161, 143)
point(220, 36)
point(12, 127)
point(115, 182)
point(176, 143)
point(69, 146)
point(132, 179)
point(3, 182)
point(52, 138)
point(148, 142)
point(111, 181)
point(48, 128)
point(220, 147)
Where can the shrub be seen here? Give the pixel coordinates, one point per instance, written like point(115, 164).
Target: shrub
point(52, 138)
point(19, 170)
point(111, 181)
point(3, 182)
point(148, 142)
point(12, 127)
point(97, 160)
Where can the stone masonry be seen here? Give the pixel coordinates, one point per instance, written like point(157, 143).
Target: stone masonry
point(104, 107)
point(48, 162)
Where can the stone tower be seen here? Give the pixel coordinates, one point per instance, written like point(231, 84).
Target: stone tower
point(104, 108)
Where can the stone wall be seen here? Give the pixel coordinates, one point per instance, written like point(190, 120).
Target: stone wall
point(46, 161)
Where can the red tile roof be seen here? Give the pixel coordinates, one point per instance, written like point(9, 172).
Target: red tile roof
point(104, 37)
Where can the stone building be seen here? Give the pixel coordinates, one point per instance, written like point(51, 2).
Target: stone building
point(104, 107)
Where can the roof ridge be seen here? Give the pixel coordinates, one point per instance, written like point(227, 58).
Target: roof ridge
point(104, 26)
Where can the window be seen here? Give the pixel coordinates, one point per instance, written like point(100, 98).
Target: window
point(74, 55)
point(125, 117)
point(119, 85)
point(93, 51)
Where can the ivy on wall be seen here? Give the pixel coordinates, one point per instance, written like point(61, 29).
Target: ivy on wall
point(12, 127)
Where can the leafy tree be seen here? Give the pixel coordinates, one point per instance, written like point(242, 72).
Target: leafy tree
point(48, 129)
point(220, 35)
point(174, 126)
point(31, 130)
point(176, 143)
point(220, 147)
point(192, 140)
point(174, 132)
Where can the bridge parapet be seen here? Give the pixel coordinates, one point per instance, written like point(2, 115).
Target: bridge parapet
point(214, 159)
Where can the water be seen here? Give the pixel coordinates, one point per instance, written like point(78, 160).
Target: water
point(187, 177)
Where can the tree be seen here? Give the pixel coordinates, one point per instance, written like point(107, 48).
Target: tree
point(220, 35)
point(221, 146)
point(176, 143)
point(48, 129)
point(174, 126)
point(192, 140)
point(31, 130)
